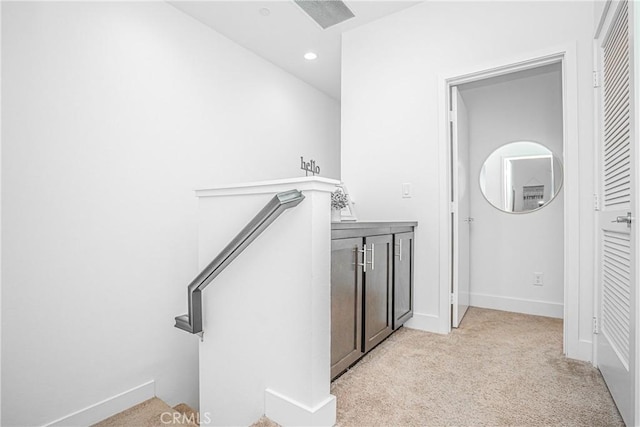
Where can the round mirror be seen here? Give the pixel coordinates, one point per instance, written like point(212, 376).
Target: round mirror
point(521, 177)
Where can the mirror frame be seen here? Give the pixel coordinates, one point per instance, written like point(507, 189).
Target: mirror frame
point(554, 157)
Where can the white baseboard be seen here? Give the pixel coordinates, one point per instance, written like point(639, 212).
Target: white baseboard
point(425, 322)
point(517, 305)
point(108, 407)
point(288, 412)
point(585, 351)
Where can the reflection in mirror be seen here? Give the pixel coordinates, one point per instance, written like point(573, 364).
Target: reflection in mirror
point(521, 177)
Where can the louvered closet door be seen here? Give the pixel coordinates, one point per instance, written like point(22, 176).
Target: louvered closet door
point(615, 348)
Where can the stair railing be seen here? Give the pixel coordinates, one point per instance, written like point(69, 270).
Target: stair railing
point(192, 322)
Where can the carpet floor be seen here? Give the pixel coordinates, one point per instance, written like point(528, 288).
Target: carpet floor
point(152, 413)
point(497, 369)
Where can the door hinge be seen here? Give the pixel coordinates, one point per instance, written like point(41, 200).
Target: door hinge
point(452, 207)
point(595, 325)
point(596, 79)
point(451, 299)
point(452, 116)
point(596, 202)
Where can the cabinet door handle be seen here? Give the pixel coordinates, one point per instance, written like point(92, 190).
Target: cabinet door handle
point(373, 256)
point(364, 258)
point(399, 245)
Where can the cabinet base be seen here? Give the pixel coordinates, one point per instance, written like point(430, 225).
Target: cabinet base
point(355, 362)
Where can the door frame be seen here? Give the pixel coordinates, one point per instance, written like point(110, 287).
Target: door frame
point(566, 56)
point(634, 25)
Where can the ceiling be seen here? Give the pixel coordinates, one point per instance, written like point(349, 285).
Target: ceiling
point(286, 33)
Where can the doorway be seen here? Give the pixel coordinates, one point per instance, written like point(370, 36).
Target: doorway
point(507, 145)
point(510, 271)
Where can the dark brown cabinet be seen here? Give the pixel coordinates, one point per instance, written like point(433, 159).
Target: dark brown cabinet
point(371, 287)
point(402, 278)
point(346, 304)
point(377, 290)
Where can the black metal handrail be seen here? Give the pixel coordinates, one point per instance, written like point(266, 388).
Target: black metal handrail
point(192, 322)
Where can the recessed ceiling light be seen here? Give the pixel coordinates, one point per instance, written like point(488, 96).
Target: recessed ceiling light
point(310, 56)
point(264, 11)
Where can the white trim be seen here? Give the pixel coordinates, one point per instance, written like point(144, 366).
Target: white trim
point(634, 49)
point(585, 351)
point(572, 193)
point(285, 411)
point(565, 54)
point(596, 186)
point(425, 322)
point(517, 305)
point(498, 71)
point(444, 269)
point(0, 218)
point(108, 407)
point(267, 187)
point(601, 21)
point(507, 66)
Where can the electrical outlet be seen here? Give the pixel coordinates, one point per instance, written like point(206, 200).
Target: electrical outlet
point(538, 279)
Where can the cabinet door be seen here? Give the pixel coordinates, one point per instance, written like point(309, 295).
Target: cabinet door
point(378, 295)
point(402, 278)
point(346, 304)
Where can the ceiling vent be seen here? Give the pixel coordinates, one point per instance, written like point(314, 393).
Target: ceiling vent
point(326, 13)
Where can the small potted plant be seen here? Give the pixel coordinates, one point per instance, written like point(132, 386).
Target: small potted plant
point(338, 202)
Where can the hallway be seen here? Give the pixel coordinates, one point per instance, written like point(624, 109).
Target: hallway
point(498, 368)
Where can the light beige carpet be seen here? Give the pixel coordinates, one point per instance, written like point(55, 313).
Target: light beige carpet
point(497, 369)
point(152, 413)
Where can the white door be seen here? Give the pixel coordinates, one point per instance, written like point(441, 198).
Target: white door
point(617, 285)
point(460, 203)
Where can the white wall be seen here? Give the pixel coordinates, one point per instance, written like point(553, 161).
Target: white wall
point(390, 108)
point(267, 317)
point(506, 249)
point(113, 113)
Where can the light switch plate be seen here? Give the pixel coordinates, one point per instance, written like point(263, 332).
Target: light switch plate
point(407, 192)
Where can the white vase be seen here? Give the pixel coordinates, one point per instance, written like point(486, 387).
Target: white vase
point(335, 215)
